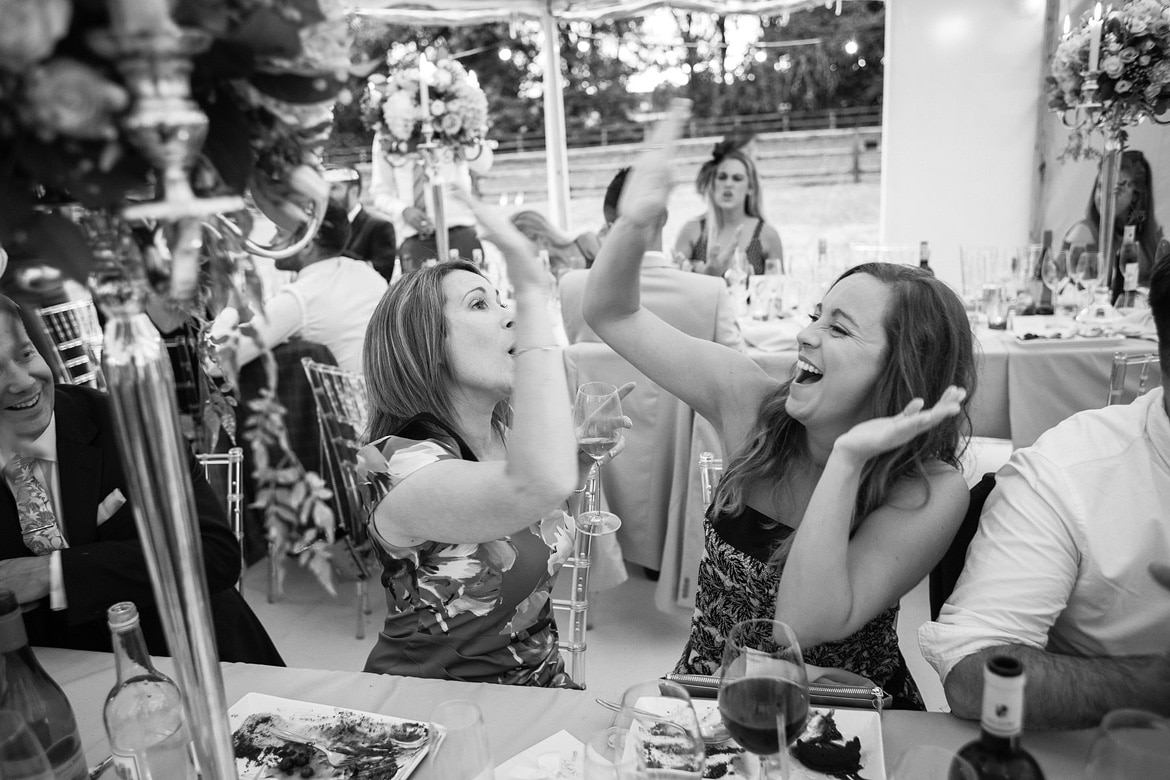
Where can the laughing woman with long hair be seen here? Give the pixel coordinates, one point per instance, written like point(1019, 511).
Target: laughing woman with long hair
point(842, 488)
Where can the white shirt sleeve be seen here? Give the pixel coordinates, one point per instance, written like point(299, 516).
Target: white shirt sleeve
point(1020, 569)
point(57, 599)
point(384, 187)
point(283, 318)
point(726, 328)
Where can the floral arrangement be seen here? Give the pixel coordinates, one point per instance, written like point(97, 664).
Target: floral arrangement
point(457, 108)
point(1133, 82)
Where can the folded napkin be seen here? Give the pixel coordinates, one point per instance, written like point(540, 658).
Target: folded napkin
point(770, 335)
point(1138, 323)
point(558, 757)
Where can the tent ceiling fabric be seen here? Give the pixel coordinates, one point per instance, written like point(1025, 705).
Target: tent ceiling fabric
point(459, 12)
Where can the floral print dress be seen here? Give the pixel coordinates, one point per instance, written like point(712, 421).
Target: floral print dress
point(476, 612)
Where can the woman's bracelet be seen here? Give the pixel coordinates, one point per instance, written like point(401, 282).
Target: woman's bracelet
point(522, 350)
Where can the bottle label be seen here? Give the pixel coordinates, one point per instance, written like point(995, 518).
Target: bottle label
point(1003, 705)
point(1131, 276)
point(67, 758)
point(126, 767)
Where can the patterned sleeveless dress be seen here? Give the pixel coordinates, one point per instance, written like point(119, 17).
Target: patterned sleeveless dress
point(470, 612)
point(737, 583)
point(754, 252)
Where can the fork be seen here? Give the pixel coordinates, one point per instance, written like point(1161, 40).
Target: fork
point(717, 737)
point(335, 758)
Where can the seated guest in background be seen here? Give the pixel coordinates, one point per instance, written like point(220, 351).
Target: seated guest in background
point(1057, 574)
point(697, 305)
point(330, 302)
point(842, 486)
point(371, 238)
point(69, 547)
point(734, 218)
point(565, 252)
point(472, 460)
point(401, 191)
point(1135, 206)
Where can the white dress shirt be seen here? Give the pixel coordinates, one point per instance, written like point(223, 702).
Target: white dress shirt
point(44, 449)
point(392, 187)
point(1060, 558)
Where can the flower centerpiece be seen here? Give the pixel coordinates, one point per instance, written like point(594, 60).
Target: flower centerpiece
point(455, 110)
point(1129, 81)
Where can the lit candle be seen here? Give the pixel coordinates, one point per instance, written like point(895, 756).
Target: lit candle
point(424, 99)
point(1067, 26)
point(1095, 38)
point(134, 17)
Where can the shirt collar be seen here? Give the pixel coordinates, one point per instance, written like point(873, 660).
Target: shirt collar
point(44, 447)
point(357, 209)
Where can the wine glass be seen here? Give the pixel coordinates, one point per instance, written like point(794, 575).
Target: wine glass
point(665, 737)
point(1129, 743)
point(1089, 272)
point(597, 421)
point(934, 762)
point(1054, 273)
point(763, 689)
point(21, 754)
point(464, 753)
point(609, 755)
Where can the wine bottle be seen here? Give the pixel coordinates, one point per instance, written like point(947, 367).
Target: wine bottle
point(924, 257)
point(1125, 283)
point(997, 754)
point(1040, 292)
point(143, 715)
point(28, 689)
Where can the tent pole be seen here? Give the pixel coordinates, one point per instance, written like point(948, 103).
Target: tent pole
point(555, 144)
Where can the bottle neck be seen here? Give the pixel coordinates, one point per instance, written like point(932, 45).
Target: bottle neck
point(130, 656)
point(1002, 717)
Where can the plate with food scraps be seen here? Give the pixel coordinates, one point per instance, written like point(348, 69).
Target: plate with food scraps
point(367, 746)
point(845, 743)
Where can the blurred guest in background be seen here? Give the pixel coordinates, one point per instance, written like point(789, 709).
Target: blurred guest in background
point(734, 219)
point(1135, 206)
point(472, 461)
point(1059, 572)
point(401, 190)
point(697, 305)
point(330, 302)
point(371, 238)
point(842, 488)
point(565, 252)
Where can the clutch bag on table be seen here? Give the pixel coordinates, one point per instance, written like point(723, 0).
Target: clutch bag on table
point(706, 686)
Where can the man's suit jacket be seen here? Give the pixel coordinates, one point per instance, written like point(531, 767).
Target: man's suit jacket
point(372, 238)
point(105, 564)
point(696, 304)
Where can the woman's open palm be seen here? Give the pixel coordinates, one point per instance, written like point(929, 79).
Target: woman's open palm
point(648, 187)
point(882, 434)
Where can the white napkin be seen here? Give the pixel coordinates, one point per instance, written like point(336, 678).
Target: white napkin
point(558, 757)
point(771, 335)
point(1138, 323)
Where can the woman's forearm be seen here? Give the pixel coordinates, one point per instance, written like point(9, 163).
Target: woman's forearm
point(815, 595)
point(612, 289)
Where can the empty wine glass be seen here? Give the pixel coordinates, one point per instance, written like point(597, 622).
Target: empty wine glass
point(598, 423)
point(1089, 272)
point(464, 753)
point(1054, 274)
point(1129, 743)
point(609, 755)
point(763, 690)
point(21, 754)
point(664, 729)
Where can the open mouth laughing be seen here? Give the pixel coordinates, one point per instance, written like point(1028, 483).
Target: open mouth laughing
point(25, 405)
point(807, 373)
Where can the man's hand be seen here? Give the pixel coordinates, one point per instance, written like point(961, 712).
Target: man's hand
point(417, 219)
point(28, 577)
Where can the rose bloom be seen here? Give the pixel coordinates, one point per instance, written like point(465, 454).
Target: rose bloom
point(451, 123)
point(1112, 65)
point(30, 30)
point(1137, 25)
point(1123, 86)
point(1152, 92)
point(438, 108)
point(1128, 54)
point(70, 98)
point(1144, 60)
point(442, 78)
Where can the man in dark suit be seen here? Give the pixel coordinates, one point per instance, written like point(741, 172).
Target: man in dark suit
point(371, 238)
point(69, 547)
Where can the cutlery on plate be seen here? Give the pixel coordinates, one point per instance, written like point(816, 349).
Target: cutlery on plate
point(715, 733)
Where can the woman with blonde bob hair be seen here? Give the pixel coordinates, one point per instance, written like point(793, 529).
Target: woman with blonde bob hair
point(471, 462)
point(842, 488)
point(565, 251)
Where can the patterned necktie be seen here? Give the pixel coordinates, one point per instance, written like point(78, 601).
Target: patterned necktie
point(38, 524)
point(420, 187)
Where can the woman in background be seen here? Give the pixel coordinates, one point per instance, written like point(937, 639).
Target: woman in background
point(734, 219)
point(1135, 206)
point(842, 488)
point(565, 252)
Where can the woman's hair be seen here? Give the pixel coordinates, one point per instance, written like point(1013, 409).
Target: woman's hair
point(705, 181)
point(1141, 207)
point(405, 358)
point(929, 348)
point(563, 250)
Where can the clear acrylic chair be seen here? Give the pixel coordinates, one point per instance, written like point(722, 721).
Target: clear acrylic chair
point(710, 470)
point(75, 331)
point(230, 487)
point(576, 606)
point(342, 415)
point(1133, 375)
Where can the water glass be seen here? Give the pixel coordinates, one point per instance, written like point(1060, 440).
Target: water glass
point(610, 755)
point(660, 713)
point(928, 762)
point(21, 754)
point(1130, 743)
point(464, 753)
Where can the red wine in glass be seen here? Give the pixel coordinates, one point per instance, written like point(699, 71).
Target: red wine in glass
point(751, 705)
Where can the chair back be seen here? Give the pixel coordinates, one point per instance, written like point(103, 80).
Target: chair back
point(225, 473)
point(710, 471)
point(946, 572)
point(1133, 375)
point(183, 351)
point(342, 415)
point(75, 331)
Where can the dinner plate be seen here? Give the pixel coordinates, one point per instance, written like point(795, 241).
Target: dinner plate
point(729, 760)
point(1063, 339)
point(255, 758)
